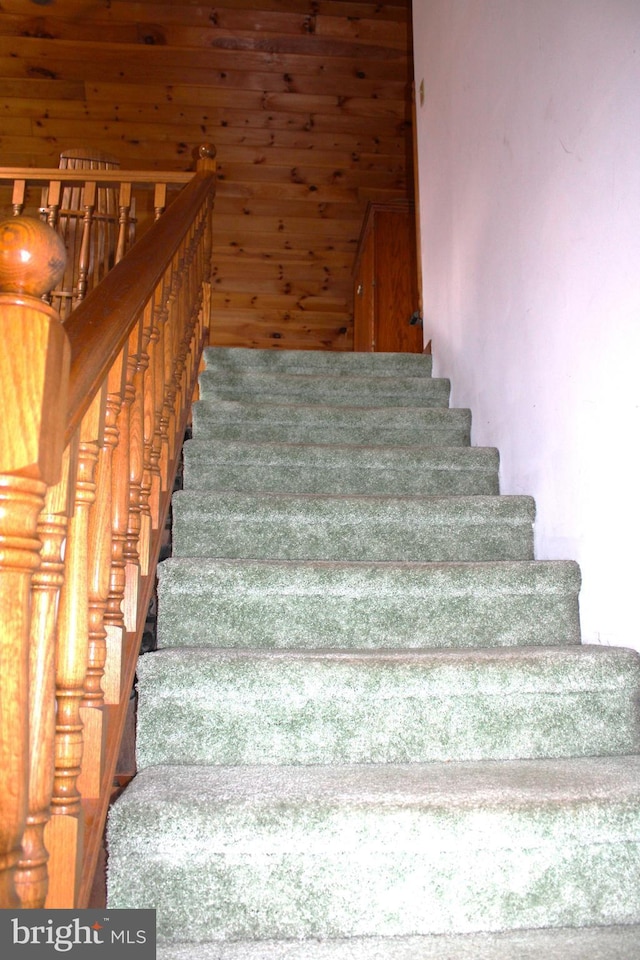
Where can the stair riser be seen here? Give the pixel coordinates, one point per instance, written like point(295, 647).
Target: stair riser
point(253, 733)
point(287, 468)
point(239, 360)
point(240, 604)
point(338, 391)
point(271, 479)
point(365, 427)
point(378, 529)
point(269, 469)
point(394, 874)
point(324, 718)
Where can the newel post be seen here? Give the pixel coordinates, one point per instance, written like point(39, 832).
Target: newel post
point(34, 369)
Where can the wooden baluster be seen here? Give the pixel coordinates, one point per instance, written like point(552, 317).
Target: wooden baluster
point(101, 539)
point(53, 203)
point(136, 467)
point(159, 199)
point(173, 318)
point(192, 306)
point(164, 380)
point(18, 197)
point(34, 368)
point(32, 873)
point(51, 214)
point(98, 688)
point(153, 408)
point(113, 626)
point(177, 317)
point(117, 614)
point(124, 220)
point(20, 502)
point(89, 204)
point(65, 829)
point(146, 485)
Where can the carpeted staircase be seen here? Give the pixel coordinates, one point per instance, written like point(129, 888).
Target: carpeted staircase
point(371, 730)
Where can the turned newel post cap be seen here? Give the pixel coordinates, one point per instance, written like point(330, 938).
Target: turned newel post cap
point(32, 256)
point(206, 150)
point(206, 156)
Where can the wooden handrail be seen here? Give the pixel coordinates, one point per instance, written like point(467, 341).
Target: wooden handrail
point(103, 178)
point(93, 416)
point(99, 326)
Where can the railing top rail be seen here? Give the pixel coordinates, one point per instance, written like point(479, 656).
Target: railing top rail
point(107, 177)
point(100, 326)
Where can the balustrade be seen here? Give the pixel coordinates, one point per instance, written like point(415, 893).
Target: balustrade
point(95, 207)
point(93, 415)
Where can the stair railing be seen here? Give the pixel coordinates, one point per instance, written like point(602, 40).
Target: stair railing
point(93, 412)
point(95, 210)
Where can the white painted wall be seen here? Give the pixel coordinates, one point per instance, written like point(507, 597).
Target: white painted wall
point(529, 172)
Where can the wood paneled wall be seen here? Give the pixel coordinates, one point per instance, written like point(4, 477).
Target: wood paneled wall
point(307, 102)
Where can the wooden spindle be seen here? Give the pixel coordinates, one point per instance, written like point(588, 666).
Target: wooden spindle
point(116, 615)
point(113, 626)
point(65, 829)
point(53, 203)
point(32, 874)
point(124, 220)
point(89, 205)
point(34, 369)
point(18, 197)
point(137, 353)
point(159, 199)
point(73, 627)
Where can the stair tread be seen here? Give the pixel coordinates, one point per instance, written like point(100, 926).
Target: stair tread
point(272, 410)
point(439, 505)
point(380, 849)
point(498, 671)
point(576, 943)
point(524, 787)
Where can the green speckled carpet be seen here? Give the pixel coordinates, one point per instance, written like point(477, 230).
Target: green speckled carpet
point(370, 729)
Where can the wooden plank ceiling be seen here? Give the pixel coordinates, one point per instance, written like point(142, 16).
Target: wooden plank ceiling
point(306, 101)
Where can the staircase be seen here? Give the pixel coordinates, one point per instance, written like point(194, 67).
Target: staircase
point(371, 730)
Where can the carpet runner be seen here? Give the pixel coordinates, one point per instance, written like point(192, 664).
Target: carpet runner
point(370, 729)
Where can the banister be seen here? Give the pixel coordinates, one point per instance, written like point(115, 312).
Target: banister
point(94, 411)
point(99, 327)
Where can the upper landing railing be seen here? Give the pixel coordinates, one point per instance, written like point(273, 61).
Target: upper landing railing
point(95, 207)
point(93, 413)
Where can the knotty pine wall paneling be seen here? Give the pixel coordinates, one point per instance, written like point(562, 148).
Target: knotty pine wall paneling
point(307, 102)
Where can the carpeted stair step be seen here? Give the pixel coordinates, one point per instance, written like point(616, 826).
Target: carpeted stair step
point(560, 943)
point(203, 706)
point(379, 850)
point(321, 527)
point(241, 360)
point(371, 730)
point(325, 388)
point(240, 603)
point(301, 423)
point(313, 468)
